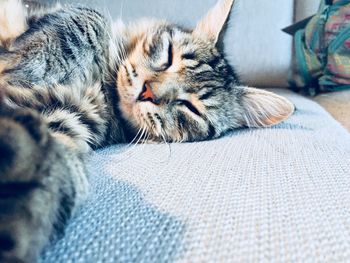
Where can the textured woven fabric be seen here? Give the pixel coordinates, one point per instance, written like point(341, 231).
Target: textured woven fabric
point(261, 195)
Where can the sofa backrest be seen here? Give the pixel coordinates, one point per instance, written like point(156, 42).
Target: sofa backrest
point(255, 44)
point(305, 8)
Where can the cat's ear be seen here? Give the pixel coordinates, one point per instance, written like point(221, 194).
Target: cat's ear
point(263, 108)
point(213, 24)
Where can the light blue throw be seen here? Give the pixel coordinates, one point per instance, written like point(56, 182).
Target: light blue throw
point(261, 195)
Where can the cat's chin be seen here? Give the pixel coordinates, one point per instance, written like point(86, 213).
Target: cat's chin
point(138, 112)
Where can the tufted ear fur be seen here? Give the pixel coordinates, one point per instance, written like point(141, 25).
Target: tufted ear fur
point(213, 24)
point(263, 108)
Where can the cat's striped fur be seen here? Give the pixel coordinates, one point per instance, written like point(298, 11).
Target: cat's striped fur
point(58, 66)
point(69, 84)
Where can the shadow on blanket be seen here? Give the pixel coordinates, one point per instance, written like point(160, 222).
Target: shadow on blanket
point(116, 224)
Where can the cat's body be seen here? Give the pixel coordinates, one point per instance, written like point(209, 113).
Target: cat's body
point(60, 68)
point(61, 47)
point(69, 84)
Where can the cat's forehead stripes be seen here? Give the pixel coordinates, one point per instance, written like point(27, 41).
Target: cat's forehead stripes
point(161, 52)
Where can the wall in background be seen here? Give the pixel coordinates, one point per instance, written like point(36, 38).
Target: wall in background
point(305, 8)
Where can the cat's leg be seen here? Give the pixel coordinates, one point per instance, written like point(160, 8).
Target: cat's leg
point(41, 182)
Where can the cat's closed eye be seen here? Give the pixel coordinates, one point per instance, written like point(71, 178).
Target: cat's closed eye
point(188, 56)
point(189, 106)
point(169, 61)
point(170, 55)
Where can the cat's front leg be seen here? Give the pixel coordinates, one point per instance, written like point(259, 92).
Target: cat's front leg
point(41, 182)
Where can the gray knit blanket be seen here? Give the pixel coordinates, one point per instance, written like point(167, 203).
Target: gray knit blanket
point(256, 195)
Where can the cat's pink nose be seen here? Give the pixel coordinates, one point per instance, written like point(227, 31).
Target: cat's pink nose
point(147, 93)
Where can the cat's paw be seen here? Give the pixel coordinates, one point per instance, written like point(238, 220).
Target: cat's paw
point(23, 141)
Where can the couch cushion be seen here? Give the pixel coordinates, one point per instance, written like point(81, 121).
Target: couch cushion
point(279, 194)
point(304, 9)
point(338, 105)
point(255, 44)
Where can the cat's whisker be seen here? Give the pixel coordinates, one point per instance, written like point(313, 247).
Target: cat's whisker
point(145, 141)
point(144, 133)
point(137, 141)
point(130, 147)
point(133, 140)
point(155, 130)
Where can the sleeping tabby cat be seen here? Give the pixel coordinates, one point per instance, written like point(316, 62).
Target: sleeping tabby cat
point(70, 83)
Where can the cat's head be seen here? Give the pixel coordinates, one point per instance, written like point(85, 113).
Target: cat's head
point(177, 85)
